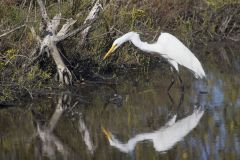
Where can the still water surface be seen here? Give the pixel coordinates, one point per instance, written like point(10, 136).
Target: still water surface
point(144, 122)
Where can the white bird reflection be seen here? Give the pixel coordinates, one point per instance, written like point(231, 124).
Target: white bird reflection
point(164, 138)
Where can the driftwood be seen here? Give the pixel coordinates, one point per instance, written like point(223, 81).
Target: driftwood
point(48, 43)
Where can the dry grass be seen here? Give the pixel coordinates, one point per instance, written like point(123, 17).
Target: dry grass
point(192, 21)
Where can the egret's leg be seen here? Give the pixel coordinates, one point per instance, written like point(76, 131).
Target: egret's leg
point(171, 84)
point(181, 82)
point(174, 73)
point(173, 79)
point(174, 107)
point(180, 100)
point(171, 99)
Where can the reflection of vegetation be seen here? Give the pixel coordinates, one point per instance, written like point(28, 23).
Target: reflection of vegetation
point(145, 107)
point(138, 102)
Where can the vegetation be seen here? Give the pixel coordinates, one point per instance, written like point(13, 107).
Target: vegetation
point(193, 21)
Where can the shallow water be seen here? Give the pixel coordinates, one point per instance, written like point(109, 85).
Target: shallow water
point(145, 122)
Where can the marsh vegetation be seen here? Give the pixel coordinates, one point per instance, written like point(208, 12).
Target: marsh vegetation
point(44, 118)
point(24, 69)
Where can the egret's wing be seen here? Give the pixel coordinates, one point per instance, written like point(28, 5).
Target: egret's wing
point(167, 137)
point(171, 121)
point(173, 49)
point(164, 138)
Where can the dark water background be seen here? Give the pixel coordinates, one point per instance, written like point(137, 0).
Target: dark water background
point(68, 125)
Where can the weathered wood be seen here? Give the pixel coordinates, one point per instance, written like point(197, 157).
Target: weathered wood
point(92, 15)
point(65, 76)
point(51, 38)
point(54, 23)
point(43, 10)
point(79, 29)
point(66, 27)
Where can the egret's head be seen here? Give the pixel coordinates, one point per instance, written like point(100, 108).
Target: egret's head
point(107, 133)
point(111, 139)
point(118, 42)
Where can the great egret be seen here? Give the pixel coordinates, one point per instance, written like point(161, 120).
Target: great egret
point(167, 46)
point(164, 138)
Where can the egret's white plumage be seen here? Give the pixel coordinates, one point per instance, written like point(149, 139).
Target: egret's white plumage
point(168, 46)
point(164, 138)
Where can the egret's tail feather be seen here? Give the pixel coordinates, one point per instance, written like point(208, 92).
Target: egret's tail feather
point(200, 74)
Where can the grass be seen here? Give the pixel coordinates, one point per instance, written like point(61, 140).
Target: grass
point(192, 21)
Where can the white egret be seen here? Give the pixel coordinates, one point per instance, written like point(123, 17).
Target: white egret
point(164, 138)
point(167, 46)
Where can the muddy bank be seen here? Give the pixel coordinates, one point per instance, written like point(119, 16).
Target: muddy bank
point(89, 72)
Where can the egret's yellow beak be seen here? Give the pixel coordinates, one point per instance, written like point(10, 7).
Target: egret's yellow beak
point(111, 50)
point(107, 133)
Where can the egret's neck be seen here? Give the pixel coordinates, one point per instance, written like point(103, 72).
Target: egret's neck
point(130, 145)
point(144, 46)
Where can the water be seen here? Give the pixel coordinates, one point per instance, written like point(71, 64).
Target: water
point(69, 125)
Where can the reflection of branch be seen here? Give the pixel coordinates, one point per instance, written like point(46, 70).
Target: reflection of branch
point(85, 134)
point(56, 115)
point(50, 142)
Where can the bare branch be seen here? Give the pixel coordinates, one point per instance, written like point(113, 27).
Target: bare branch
point(92, 15)
point(61, 38)
point(29, 9)
point(65, 28)
point(54, 23)
point(59, 6)
point(225, 23)
point(12, 30)
point(43, 10)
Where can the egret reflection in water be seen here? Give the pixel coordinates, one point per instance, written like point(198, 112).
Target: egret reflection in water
point(164, 138)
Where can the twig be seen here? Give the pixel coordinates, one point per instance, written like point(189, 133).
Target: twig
point(29, 9)
point(6, 33)
point(59, 6)
point(28, 91)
